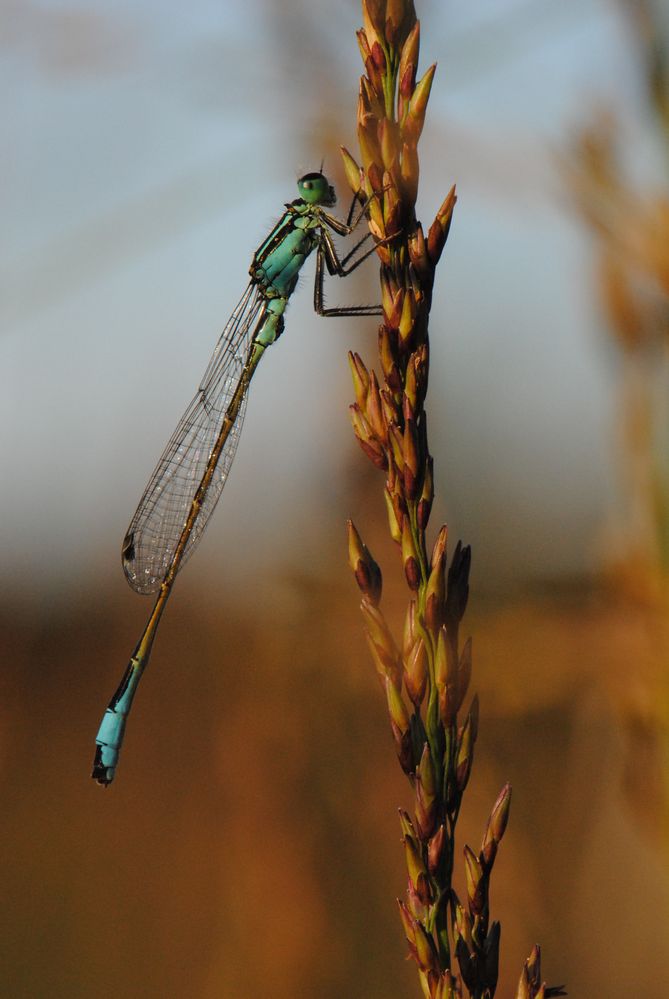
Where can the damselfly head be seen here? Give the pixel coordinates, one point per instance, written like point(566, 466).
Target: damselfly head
point(315, 189)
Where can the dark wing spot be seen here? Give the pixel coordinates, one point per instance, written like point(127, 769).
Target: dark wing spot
point(128, 549)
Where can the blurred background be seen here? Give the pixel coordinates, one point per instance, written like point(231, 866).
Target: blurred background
point(250, 845)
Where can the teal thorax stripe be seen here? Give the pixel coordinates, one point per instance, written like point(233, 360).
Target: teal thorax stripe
point(277, 263)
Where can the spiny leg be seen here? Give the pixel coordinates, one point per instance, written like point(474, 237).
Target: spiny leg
point(357, 199)
point(351, 253)
point(336, 268)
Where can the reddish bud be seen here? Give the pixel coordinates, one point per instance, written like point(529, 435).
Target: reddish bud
point(378, 57)
point(474, 878)
point(446, 677)
point(407, 318)
point(394, 523)
point(387, 300)
point(425, 953)
point(465, 757)
point(399, 722)
point(373, 18)
point(361, 426)
point(366, 570)
point(360, 377)
point(534, 964)
point(416, 905)
point(387, 350)
point(435, 594)
point(435, 850)
point(362, 430)
point(392, 206)
point(403, 17)
point(418, 104)
point(396, 446)
point(496, 825)
point(529, 986)
point(418, 253)
point(363, 45)
point(410, 557)
point(394, 314)
point(427, 495)
point(352, 171)
point(425, 794)
point(412, 573)
point(426, 771)
point(374, 410)
point(376, 454)
point(409, 171)
point(375, 179)
point(415, 672)
point(406, 84)
point(414, 861)
point(409, 924)
point(436, 237)
point(409, 61)
point(423, 889)
point(378, 629)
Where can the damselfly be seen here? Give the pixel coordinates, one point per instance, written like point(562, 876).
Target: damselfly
point(188, 480)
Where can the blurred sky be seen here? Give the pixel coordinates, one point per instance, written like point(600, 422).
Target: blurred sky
point(148, 146)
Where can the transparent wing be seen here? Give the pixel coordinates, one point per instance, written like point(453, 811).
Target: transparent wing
point(154, 532)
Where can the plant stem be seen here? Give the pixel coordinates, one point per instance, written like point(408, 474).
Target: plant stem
point(425, 682)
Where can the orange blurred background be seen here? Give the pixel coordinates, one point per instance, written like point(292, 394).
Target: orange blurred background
point(250, 844)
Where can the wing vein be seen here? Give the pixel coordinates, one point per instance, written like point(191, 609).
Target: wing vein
point(155, 529)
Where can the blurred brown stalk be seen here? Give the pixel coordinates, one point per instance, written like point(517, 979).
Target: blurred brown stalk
point(630, 227)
